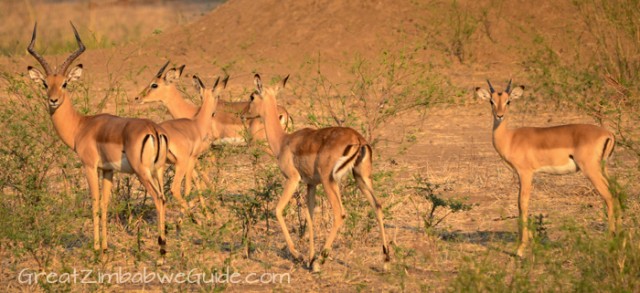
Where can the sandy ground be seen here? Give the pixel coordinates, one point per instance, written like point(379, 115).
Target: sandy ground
point(451, 144)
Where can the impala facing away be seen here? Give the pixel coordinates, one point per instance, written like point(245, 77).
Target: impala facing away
point(104, 142)
point(316, 156)
point(556, 150)
point(188, 138)
point(227, 126)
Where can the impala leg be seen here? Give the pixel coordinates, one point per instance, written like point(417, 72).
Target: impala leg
point(202, 175)
point(162, 212)
point(290, 187)
point(92, 179)
point(181, 169)
point(188, 177)
point(311, 200)
point(159, 201)
point(159, 182)
point(332, 189)
point(602, 186)
point(366, 187)
point(523, 209)
point(203, 205)
point(308, 214)
point(107, 183)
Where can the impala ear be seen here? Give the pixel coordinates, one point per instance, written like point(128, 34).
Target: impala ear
point(219, 86)
point(483, 93)
point(75, 73)
point(173, 74)
point(258, 83)
point(199, 85)
point(284, 81)
point(37, 76)
point(516, 92)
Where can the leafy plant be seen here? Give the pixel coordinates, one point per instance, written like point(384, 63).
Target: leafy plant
point(464, 25)
point(375, 92)
point(431, 193)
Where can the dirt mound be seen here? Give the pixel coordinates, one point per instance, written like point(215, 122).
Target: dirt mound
point(468, 41)
point(286, 32)
point(472, 36)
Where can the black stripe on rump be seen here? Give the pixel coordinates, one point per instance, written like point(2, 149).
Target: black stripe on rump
point(348, 161)
point(157, 147)
point(144, 142)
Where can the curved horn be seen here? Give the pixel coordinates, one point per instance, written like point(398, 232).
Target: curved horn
point(81, 48)
point(508, 90)
point(491, 87)
point(45, 65)
point(159, 74)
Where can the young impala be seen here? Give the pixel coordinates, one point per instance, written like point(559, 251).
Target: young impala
point(189, 137)
point(227, 126)
point(316, 156)
point(104, 143)
point(557, 150)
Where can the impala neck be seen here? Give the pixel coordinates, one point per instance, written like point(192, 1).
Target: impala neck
point(66, 121)
point(272, 127)
point(500, 135)
point(203, 118)
point(178, 106)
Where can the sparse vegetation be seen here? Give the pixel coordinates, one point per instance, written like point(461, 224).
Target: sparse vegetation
point(432, 193)
point(578, 260)
point(375, 92)
point(403, 80)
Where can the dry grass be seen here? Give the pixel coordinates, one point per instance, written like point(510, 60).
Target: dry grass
point(47, 227)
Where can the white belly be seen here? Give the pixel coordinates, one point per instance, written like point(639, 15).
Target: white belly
point(119, 166)
point(570, 167)
point(230, 140)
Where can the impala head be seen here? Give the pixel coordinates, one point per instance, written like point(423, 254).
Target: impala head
point(55, 81)
point(255, 107)
point(500, 100)
point(214, 93)
point(161, 82)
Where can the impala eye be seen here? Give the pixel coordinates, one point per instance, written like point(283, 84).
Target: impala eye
point(491, 101)
point(64, 85)
point(45, 85)
point(508, 102)
point(154, 85)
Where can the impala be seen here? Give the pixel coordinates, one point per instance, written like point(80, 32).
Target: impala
point(227, 126)
point(560, 149)
point(316, 156)
point(104, 143)
point(188, 138)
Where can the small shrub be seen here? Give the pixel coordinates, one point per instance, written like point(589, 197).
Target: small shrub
point(431, 193)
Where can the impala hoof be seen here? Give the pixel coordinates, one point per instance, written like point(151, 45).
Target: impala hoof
point(297, 257)
point(314, 266)
point(325, 255)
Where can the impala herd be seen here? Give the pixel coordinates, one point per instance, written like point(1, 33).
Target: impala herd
point(324, 156)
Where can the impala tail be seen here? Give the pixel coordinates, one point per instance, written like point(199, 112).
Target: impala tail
point(154, 149)
point(353, 155)
point(609, 146)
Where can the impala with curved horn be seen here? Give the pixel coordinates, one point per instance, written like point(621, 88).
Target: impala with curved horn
point(104, 143)
point(316, 156)
point(559, 149)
